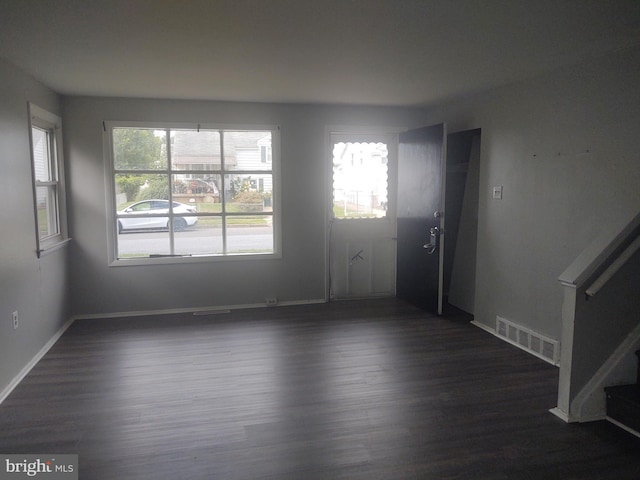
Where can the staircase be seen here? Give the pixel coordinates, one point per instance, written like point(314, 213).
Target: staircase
point(601, 285)
point(623, 404)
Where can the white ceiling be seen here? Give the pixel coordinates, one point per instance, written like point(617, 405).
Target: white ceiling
point(381, 52)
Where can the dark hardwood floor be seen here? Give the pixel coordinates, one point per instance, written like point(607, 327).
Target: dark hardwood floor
point(353, 390)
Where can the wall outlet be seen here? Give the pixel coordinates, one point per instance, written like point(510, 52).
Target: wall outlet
point(271, 301)
point(14, 318)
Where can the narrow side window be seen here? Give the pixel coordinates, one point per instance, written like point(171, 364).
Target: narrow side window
point(48, 178)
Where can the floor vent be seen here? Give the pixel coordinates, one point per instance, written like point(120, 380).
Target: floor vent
point(539, 345)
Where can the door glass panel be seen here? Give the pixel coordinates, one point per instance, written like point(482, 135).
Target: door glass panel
point(360, 180)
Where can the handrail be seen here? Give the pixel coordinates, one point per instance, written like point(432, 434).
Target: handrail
point(614, 267)
point(598, 253)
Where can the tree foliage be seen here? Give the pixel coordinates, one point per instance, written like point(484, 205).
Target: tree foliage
point(137, 149)
point(240, 185)
point(130, 185)
point(156, 186)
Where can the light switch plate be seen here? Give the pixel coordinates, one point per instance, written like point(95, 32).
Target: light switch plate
point(497, 192)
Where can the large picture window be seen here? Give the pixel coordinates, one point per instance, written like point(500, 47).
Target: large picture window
point(181, 193)
point(48, 178)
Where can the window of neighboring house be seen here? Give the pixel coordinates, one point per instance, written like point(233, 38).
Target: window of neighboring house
point(265, 153)
point(48, 178)
point(360, 180)
point(184, 194)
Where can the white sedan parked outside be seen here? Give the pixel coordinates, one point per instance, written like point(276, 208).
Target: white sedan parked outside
point(135, 216)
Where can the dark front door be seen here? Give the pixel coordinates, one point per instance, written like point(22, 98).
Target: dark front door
point(420, 223)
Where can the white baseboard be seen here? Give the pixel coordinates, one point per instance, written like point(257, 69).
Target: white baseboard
point(484, 327)
point(32, 363)
point(562, 416)
point(196, 310)
point(573, 419)
point(623, 426)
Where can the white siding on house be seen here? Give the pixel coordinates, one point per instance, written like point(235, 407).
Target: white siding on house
point(251, 159)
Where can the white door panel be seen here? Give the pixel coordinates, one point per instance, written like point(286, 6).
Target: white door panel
point(361, 240)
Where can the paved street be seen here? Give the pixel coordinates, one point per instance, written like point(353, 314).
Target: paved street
point(197, 240)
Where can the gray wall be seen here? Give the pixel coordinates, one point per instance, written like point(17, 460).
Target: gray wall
point(37, 288)
point(565, 148)
point(298, 276)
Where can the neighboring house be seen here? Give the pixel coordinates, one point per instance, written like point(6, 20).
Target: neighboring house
point(245, 152)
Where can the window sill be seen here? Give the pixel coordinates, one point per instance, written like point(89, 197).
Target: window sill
point(168, 260)
point(52, 247)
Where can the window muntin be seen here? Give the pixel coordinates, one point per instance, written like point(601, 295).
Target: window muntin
point(48, 186)
point(222, 192)
point(360, 180)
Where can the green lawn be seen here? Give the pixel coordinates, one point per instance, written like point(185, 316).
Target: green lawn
point(338, 212)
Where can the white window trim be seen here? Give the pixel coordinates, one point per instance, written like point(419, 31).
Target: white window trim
point(112, 234)
point(41, 118)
